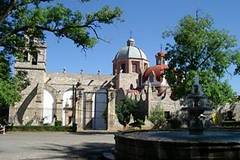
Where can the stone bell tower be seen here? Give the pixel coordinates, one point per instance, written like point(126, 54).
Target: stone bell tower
point(30, 106)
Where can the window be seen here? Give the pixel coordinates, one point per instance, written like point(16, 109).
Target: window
point(123, 68)
point(145, 65)
point(162, 60)
point(134, 67)
point(34, 58)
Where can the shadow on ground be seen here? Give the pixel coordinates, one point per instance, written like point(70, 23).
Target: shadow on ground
point(92, 133)
point(87, 151)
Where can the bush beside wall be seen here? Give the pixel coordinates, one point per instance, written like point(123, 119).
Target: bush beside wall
point(40, 128)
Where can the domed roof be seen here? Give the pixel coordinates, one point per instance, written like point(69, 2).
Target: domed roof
point(130, 51)
point(158, 71)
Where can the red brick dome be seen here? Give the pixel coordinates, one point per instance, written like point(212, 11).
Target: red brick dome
point(157, 70)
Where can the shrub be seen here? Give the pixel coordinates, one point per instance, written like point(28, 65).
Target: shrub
point(58, 123)
point(124, 109)
point(216, 118)
point(127, 107)
point(40, 128)
point(157, 117)
point(138, 112)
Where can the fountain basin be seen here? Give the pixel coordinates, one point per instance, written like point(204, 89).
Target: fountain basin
point(178, 144)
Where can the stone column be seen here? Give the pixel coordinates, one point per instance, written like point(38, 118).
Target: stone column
point(149, 97)
point(79, 111)
point(59, 105)
point(129, 62)
point(111, 110)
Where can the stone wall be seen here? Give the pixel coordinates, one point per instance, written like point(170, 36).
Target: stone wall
point(59, 83)
point(124, 80)
point(164, 101)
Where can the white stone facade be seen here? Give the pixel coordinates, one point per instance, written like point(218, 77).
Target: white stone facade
point(85, 99)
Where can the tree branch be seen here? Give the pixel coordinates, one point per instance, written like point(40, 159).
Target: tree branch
point(95, 32)
point(5, 11)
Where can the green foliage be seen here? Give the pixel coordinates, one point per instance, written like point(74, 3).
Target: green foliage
point(138, 112)
point(236, 61)
point(4, 68)
point(23, 26)
point(58, 123)
point(40, 128)
point(218, 92)
point(124, 109)
point(24, 21)
point(157, 117)
point(8, 89)
point(21, 80)
point(216, 118)
point(127, 107)
point(200, 49)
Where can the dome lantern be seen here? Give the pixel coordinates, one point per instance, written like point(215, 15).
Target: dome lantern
point(131, 42)
point(130, 59)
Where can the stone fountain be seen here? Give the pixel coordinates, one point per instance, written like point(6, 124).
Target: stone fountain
point(194, 143)
point(196, 105)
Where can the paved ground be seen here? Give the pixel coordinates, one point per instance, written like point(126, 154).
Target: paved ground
point(53, 145)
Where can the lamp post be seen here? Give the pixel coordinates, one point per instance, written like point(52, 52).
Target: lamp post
point(74, 101)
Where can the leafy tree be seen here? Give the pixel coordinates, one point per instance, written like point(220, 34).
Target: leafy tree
point(236, 61)
point(127, 107)
point(31, 18)
point(139, 113)
point(24, 22)
point(157, 117)
point(10, 87)
point(201, 49)
point(8, 90)
point(124, 110)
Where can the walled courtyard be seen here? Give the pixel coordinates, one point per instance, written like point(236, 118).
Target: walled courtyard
point(54, 145)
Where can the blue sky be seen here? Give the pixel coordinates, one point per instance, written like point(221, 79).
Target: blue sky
point(147, 19)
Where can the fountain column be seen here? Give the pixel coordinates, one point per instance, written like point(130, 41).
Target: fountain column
point(196, 105)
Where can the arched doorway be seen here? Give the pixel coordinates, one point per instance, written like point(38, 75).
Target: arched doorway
point(48, 102)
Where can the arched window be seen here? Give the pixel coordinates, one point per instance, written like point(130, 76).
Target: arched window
point(35, 58)
point(134, 67)
point(145, 65)
point(162, 60)
point(123, 68)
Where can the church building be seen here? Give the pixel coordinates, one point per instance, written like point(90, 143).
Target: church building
point(86, 99)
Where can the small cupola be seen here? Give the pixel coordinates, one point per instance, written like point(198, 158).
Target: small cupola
point(131, 42)
point(160, 58)
point(158, 69)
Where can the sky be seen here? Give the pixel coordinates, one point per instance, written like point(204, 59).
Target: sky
point(146, 20)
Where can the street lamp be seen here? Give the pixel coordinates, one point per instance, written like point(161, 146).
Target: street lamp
point(74, 101)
